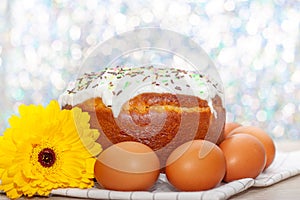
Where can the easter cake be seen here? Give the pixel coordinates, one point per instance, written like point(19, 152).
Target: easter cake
point(159, 107)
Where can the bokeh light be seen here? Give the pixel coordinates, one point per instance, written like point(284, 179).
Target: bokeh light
point(254, 44)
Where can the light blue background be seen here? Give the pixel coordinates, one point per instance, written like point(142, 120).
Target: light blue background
point(254, 44)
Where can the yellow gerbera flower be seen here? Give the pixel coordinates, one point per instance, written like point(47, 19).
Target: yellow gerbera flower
point(45, 149)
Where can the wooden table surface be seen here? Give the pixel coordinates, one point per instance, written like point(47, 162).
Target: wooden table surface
point(288, 189)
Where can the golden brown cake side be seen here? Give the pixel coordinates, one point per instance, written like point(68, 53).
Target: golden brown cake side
point(162, 121)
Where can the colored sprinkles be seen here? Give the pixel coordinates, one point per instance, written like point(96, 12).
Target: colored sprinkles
point(171, 77)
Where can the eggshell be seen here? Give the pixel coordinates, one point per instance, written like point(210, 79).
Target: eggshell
point(196, 165)
point(230, 126)
point(263, 137)
point(245, 157)
point(127, 166)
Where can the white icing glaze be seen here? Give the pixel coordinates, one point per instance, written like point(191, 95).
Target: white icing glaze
point(118, 85)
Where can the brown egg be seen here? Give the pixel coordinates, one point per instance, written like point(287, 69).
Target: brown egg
point(195, 166)
point(127, 166)
point(230, 126)
point(245, 157)
point(263, 137)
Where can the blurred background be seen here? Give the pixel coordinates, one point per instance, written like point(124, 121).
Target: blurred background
point(255, 46)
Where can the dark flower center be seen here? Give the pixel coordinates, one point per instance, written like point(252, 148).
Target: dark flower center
point(47, 157)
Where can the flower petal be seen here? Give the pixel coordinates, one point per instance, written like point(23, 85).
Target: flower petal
point(72, 171)
point(90, 164)
point(14, 193)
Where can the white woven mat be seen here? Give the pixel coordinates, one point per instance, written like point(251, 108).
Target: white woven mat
point(284, 166)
